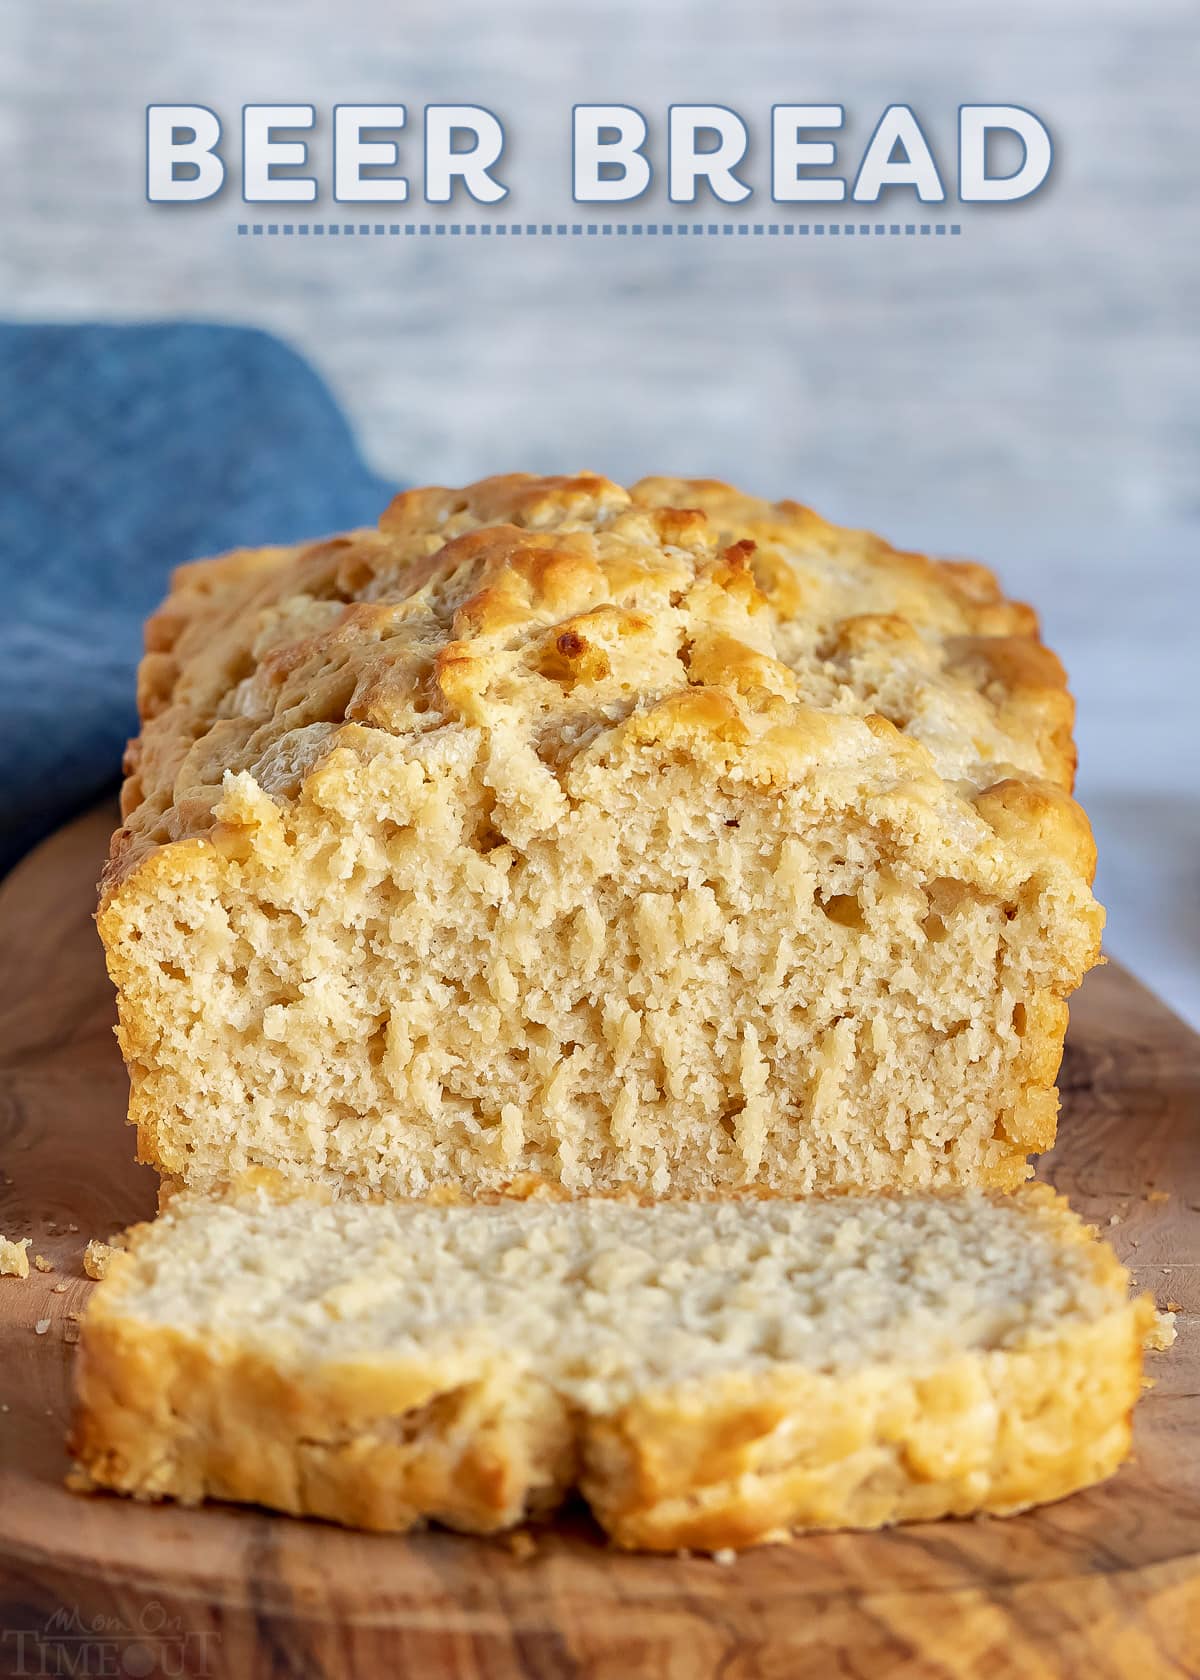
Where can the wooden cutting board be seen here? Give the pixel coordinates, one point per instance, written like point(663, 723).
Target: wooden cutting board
point(1106, 1584)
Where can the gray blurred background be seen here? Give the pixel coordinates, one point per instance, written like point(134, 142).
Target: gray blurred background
point(1025, 393)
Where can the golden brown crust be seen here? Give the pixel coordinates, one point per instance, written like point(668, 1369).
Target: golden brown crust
point(161, 1415)
point(419, 623)
point(762, 1458)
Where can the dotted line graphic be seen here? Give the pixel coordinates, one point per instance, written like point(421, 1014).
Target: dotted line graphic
point(587, 230)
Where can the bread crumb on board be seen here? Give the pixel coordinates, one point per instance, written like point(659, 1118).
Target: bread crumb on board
point(1162, 1333)
point(96, 1257)
point(14, 1259)
point(42, 1264)
point(41, 1327)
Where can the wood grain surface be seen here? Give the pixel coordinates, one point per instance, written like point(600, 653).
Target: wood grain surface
point(1103, 1585)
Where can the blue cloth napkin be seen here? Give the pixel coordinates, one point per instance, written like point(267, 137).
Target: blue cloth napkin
point(125, 450)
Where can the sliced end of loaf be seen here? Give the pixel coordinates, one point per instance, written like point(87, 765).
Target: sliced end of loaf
point(664, 838)
point(710, 1375)
point(686, 983)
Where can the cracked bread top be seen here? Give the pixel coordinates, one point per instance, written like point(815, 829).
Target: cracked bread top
point(568, 614)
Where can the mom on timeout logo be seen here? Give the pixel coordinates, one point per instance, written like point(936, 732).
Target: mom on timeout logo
point(611, 154)
point(155, 1646)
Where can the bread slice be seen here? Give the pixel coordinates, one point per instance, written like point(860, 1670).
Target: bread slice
point(558, 833)
point(709, 1374)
